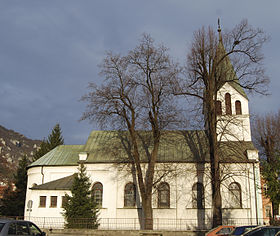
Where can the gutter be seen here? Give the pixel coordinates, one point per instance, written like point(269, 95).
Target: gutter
point(42, 173)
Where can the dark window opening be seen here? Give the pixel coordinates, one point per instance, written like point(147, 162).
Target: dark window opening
point(198, 196)
point(163, 195)
point(219, 108)
point(97, 193)
point(235, 195)
point(53, 201)
point(129, 195)
point(42, 202)
point(228, 104)
point(238, 109)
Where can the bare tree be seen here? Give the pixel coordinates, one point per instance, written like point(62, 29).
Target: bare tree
point(266, 132)
point(136, 96)
point(232, 57)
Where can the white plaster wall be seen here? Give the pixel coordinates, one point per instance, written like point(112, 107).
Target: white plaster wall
point(45, 211)
point(114, 180)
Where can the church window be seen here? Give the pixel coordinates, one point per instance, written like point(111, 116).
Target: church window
point(163, 195)
point(42, 202)
point(129, 195)
point(219, 108)
point(235, 195)
point(198, 196)
point(97, 193)
point(228, 104)
point(53, 201)
point(238, 110)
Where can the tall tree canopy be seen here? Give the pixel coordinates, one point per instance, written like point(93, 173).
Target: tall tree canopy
point(134, 96)
point(266, 133)
point(213, 60)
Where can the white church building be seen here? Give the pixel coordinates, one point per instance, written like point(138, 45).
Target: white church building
point(181, 197)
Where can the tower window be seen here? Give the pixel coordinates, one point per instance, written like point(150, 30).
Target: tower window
point(238, 110)
point(218, 108)
point(228, 104)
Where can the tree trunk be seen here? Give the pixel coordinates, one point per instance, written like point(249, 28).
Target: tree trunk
point(147, 220)
point(214, 162)
point(215, 184)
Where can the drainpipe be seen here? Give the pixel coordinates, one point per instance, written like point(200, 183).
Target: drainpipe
point(42, 173)
point(256, 197)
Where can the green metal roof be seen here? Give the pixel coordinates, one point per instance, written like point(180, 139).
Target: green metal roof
point(61, 155)
point(59, 184)
point(113, 147)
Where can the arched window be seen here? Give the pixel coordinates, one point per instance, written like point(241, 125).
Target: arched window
point(97, 193)
point(218, 108)
point(163, 195)
point(228, 104)
point(238, 110)
point(198, 196)
point(235, 195)
point(129, 195)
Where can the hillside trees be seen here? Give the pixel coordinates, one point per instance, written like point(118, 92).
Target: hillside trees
point(53, 140)
point(80, 211)
point(267, 136)
point(134, 96)
point(213, 60)
point(13, 201)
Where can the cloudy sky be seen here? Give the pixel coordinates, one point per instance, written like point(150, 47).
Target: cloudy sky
point(50, 51)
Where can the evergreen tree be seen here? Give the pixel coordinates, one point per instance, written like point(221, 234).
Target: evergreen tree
point(41, 151)
point(8, 206)
point(80, 211)
point(54, 139)
point(13, 201)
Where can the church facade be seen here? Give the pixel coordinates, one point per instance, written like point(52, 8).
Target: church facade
point(182, 192)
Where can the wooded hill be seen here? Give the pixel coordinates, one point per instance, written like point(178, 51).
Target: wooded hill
point(13, 146)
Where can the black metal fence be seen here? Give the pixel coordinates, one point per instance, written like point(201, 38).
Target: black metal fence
point(135, 224)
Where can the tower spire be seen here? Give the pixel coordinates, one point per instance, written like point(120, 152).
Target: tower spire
point(219, 30)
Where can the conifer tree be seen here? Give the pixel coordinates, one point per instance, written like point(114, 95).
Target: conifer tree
point(80, 211)
point(43, 149)
point(54, 139)
point(13, 201)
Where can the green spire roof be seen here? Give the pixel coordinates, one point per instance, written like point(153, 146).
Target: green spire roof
point(227, 66)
